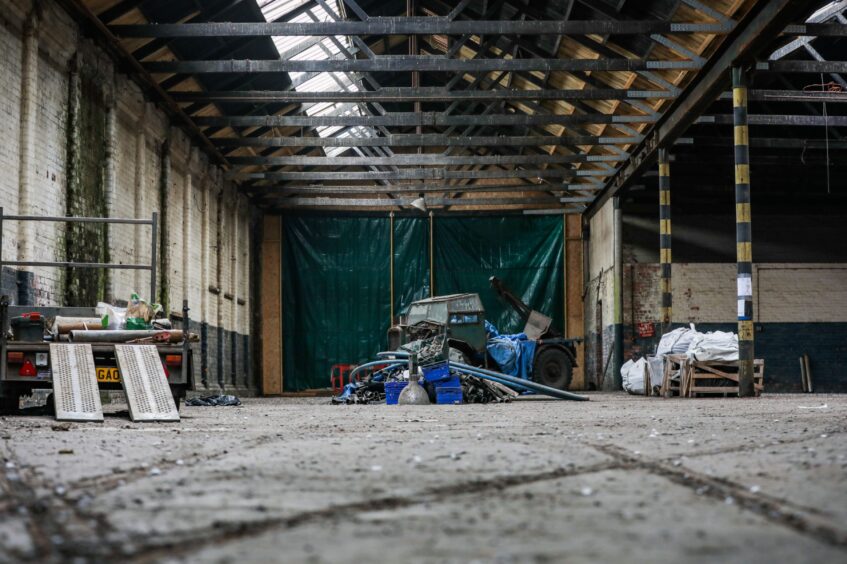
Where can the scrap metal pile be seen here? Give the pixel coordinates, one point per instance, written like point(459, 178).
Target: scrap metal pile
point(371, 388)
point(478, 385)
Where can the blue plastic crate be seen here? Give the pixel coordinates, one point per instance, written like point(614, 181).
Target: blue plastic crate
point(436, 372)
point(452, 382)
point(392, 391)
point(445, 395)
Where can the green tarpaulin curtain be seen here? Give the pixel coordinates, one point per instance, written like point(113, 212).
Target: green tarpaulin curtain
point(524, 252)
point(335, 294)
point(336, 279)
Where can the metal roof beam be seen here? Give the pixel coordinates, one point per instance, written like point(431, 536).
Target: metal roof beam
point(420, 26)
point(414, 63)
point(411, 119)
point(423, 94)
point(321, 189)
point(751, 35)
point(425, 140)
point(425, 159)
point(430, 202)
point(416, 174)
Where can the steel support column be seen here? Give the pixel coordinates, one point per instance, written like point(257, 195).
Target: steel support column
point(743, 233)
point(665, 239)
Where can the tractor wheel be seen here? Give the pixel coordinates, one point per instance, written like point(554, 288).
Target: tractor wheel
point(552, 368)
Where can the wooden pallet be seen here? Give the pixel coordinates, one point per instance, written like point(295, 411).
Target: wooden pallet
point(718, 377)
point(673, 363)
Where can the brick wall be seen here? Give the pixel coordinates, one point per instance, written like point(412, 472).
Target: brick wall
point(140, 131)
point(599, 302)
point(797, 309)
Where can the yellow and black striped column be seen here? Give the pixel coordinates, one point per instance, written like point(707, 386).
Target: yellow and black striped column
point(743, 233)
point(665, 239)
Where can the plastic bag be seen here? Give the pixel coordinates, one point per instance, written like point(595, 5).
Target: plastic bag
point(633, 375)
point(139, 313)
point(111, 317)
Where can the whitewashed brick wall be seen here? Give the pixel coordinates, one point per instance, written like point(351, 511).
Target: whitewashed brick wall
point(58, 41)
point(705, 293)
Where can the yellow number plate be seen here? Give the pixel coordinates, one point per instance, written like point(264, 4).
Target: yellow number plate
point(108, 374)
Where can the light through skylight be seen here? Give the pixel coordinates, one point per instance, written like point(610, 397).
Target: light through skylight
point(312, 48)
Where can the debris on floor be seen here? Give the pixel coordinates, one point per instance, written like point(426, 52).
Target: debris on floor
point(217, 400)
point(441, 372)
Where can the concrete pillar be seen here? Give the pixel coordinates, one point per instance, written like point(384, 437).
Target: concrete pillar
point(618, 296)
point(26, 178)
point(743, 233)
point(665, 259)
point(142, 233)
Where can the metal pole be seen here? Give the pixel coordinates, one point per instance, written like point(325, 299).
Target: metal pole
point(431, 255)
point(665, 239)
point(391, 265)
point(743, 233)
point(155, 228)
point(565, 275)
point(618, 297)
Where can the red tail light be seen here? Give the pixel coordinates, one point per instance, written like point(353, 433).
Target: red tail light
point(15, 357)
point(28, 369)
point(173, 360)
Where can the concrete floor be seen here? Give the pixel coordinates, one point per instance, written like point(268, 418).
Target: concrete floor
point(619, 478)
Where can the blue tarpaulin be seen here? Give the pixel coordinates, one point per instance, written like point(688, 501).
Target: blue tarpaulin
point(513, 353)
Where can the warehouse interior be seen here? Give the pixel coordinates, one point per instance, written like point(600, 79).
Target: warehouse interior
point(286, 180)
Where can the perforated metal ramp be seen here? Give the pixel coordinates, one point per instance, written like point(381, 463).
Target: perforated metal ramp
point(145, 384)
point(75, 392)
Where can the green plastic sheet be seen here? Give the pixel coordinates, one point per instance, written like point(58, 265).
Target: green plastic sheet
point(336, 279)
point(335, 294)
point(411, 261)
point(525, 252)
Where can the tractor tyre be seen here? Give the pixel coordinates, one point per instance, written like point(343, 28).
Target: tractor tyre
point(553, 368)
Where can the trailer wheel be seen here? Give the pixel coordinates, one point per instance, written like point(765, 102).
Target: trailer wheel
point(10, 403)
point(552, 367)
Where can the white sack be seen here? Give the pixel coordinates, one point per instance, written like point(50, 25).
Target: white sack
point(633, 375)
point(676, 341)
point(717, 345)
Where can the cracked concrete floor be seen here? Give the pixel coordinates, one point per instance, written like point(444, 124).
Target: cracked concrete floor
point(619, 478)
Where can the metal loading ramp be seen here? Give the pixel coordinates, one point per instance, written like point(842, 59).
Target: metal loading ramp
point(145, 384)
point(75, 391)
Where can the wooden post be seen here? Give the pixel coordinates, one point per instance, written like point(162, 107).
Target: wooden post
point(271, 300)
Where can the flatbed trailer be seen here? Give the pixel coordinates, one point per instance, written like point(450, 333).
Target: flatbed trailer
point(177, 358)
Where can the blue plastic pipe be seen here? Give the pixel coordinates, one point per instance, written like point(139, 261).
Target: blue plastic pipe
point(512, 381)
point(400, 354)
point(375, 363)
